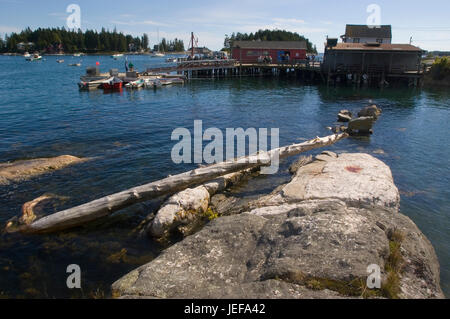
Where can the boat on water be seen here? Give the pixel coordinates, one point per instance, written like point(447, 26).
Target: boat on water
point(59, 61)
point(34, 57)
point(117, 56)
point(94, 84)
point(113, 83)
point(135, 84)
point(75, 64)
point(77, 54)
point(157, 55)
point(171, 60)
point(26, 55)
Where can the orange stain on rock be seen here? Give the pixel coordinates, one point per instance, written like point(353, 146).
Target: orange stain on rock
point(354, 169)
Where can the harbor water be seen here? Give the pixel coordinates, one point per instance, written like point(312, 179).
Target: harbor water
point(127, 137)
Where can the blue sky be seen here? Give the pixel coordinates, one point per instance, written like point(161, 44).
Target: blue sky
point(426, 21)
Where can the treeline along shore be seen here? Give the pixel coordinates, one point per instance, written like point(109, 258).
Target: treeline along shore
point(58, 40)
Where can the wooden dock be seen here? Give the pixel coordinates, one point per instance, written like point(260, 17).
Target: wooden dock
point(233, 68)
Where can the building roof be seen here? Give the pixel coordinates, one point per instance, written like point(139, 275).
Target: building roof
point(289, 45)
point(364, 31)
point(375, 47)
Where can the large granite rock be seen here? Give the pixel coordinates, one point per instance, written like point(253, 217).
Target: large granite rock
point(314, 238)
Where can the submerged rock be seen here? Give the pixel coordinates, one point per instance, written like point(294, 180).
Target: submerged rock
point(25, 169)
point(313, 238)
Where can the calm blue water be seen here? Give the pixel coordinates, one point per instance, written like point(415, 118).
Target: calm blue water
point(43, 114)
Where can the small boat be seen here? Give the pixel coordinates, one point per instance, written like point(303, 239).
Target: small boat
point(152, 83)
point(171, 81)
point(77, 54)
point(157, 55)
point(34, 57)
point(135, 84)
point(113, 84)
point(59, 61)
point(26, 55)
point(92, 85)
point(171, 60)
point(117, 56)
point(75, 64)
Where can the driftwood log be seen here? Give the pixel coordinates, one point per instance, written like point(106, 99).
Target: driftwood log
point(105, 206)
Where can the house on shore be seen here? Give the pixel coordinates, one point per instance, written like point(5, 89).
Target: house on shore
point(355, 33)
point(367, 54)
point(278, 51)
point(372, 58)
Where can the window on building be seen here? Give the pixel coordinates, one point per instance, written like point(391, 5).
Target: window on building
point(253, 53)
point(356, 40)
point(379, 40)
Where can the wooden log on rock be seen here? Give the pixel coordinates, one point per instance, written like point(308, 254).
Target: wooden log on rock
point(107, 205)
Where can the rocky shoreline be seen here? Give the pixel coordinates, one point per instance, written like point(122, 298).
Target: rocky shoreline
point(313, 237)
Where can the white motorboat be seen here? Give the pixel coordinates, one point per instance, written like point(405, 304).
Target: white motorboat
point(135, 84)
point(117, 56)
point(34, 57)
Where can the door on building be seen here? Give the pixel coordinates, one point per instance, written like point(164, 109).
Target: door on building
point(284, 56)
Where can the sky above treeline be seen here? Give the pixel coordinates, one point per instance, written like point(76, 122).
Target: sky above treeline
point(427, 22)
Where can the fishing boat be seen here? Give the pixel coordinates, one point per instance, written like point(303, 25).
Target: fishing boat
point(117, 56)
point(135, 84)
point(113, 83)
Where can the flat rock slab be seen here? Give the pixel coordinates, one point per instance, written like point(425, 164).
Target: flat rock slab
point(356, 179)
point(25, 169)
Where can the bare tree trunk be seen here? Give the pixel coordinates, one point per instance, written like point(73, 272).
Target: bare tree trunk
point(107, 205)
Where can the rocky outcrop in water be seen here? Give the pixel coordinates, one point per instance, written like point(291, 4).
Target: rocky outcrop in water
point(312, 238)
point(25, 169)
point(344, 116)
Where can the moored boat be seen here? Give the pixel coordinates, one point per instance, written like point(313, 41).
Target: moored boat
point(135, 84)
point(59, 61)
point(34, 57)
point(117, 56)
point(92, 85)
point(113, 84)
point(157, 55)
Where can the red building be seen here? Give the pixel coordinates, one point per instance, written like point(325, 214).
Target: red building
point(279, 51)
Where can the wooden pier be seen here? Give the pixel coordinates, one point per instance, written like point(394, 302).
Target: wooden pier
point(233, 68)
point(309, 71)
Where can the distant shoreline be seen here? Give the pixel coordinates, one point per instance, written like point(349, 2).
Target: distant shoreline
point(95, 54)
